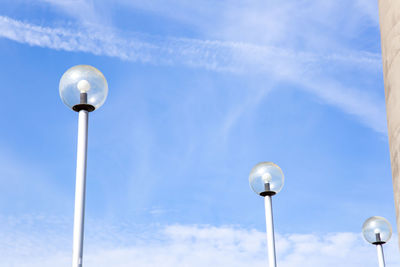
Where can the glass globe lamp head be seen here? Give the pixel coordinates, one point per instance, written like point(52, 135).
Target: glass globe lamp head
point(377, 230)
point(83, 87)
point(266, 178)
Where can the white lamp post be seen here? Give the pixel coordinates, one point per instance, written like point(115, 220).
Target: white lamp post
point(377, 231)
point(266, 179)
point(84, 89)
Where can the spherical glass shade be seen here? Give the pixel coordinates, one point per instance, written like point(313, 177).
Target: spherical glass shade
point(266, 178)
point(83, 85)
point(377, 230)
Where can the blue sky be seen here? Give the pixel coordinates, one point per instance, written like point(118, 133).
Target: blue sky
point(199, 92)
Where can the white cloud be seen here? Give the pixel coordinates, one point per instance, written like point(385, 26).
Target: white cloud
point(212, 55)
point(278, 63)
point(370, 110)
point(43, 243)
point(306, 24)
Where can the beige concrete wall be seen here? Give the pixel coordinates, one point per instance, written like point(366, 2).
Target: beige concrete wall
point(389, 14)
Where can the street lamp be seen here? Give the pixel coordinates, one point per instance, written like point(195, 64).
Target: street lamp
point(377, 230)
point(266, 179)
point(84, 89)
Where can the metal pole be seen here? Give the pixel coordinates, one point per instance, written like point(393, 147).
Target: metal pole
point(270, 231)
point(381, 258)
point(80, 188)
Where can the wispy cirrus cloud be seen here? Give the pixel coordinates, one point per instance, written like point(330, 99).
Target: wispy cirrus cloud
point(39, 241)
point(277, 63)
point(212, 55)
